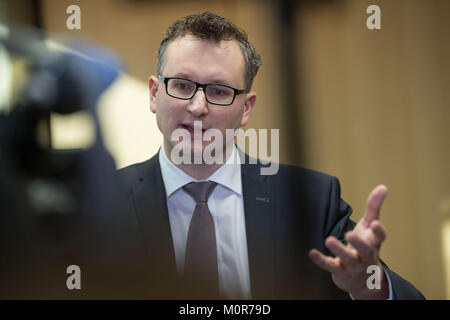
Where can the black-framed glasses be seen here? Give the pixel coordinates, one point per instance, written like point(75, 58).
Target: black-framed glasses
point(185, 89)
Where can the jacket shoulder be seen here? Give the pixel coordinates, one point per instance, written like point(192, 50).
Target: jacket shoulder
point(304, 176)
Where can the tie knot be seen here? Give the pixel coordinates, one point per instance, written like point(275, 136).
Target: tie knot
point(200, 191)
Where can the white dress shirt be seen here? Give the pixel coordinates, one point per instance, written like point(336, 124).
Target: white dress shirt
point(227, 209)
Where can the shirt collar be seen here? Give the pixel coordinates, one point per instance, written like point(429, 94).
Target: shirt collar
point(228, 175)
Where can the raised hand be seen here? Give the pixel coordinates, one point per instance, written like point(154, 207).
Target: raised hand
point(349, 266)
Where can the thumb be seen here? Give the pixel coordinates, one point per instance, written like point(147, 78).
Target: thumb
point(374, 202)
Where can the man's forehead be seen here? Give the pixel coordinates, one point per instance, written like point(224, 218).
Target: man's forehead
point(189, 51)
point(190, 40)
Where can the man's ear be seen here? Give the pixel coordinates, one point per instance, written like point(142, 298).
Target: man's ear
point(250, 100)
point(153, 83)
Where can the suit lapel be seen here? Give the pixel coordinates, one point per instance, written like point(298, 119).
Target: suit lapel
point(259, 210)
point(150, 202)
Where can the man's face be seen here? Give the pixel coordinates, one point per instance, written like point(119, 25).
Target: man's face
point(202, 61)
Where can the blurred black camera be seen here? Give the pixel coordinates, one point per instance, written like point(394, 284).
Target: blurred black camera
point(60, 208)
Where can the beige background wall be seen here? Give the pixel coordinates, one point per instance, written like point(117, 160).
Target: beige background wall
point(374, 106)
point(377, 110)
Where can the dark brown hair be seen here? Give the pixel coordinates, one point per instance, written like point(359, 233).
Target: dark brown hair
point(209, 26)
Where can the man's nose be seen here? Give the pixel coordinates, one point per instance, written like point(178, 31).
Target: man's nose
point(198, 105)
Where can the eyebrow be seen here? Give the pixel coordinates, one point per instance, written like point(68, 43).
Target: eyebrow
point(215, 81)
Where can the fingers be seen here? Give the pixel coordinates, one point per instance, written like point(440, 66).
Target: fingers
point(345, 256)
point(368, 247)
point(366, 252)
point(374, 203)
point(360, 250)
point(349, 256)
point(327, 263)
point(378, 231)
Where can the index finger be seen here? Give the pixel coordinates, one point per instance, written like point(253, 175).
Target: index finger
point(374, 202)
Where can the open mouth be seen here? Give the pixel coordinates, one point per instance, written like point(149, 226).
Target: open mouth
point(190, 128)
point(197, 132)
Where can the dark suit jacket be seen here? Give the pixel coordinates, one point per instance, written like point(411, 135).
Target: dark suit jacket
point(286, 215)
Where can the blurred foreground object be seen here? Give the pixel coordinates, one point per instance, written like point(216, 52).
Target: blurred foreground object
point(444, 209)
point(59, 207)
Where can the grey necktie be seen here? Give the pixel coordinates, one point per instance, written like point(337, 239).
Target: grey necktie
point(200, 264)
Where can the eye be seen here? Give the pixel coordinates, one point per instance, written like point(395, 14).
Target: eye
point(182, 86)
point(218, 91)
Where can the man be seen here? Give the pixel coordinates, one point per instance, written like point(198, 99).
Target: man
point(247, 236)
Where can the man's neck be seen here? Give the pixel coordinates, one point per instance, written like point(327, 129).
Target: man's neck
point(201, 171)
